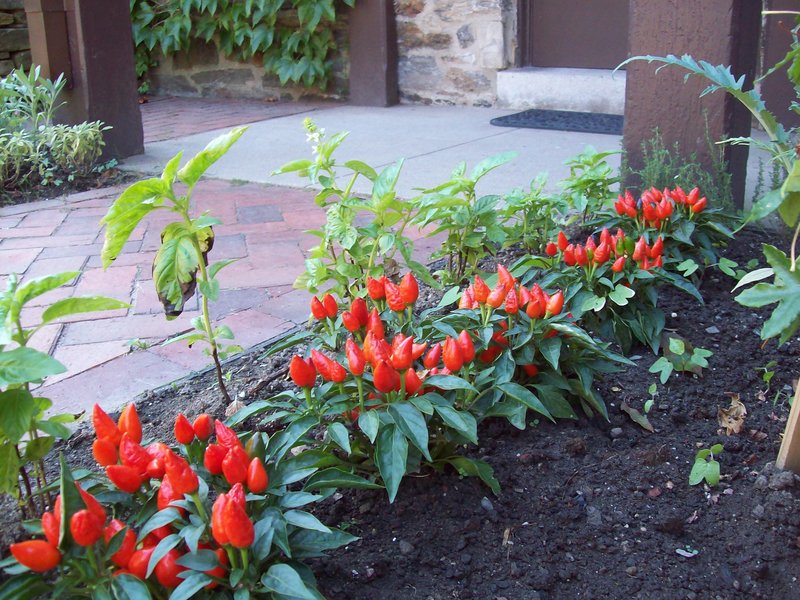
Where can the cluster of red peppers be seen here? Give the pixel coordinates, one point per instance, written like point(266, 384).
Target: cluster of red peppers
point(655, 206)
point(617, 248)
point(131, 468)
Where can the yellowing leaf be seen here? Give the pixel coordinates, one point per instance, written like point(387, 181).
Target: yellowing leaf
point(732, 418)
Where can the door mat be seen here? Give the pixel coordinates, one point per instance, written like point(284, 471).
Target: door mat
point(563, 120)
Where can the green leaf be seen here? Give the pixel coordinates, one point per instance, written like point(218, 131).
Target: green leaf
point(296, 165)
point(218, 266)
point(171, 169)
point(551, 350)
point(26, 586)
point(369, 422)
point(471, 467)
point(202, 560)
point(128, 587)
point(165, 545)
point(17, 411)
point(81, 304)
point(216, 149)
point(338, 478)
point(362, 168)
point(283, 579)
point(621, 294)
point(33, 288)
point(687, 267)
point(193, 583)
point(754, 276)
point(127, 211)
point(175, 264)
point(449, 382)
point(341, 437)
point(391, 454)
point(765, 206)
point(9, 468)
point(677, 346)
point(488, 164)
point(526, 397)
point(308, 543)
point(26, 365)
point(411, 422)
point(38, 448)
point(305, 520)
point(463, 422)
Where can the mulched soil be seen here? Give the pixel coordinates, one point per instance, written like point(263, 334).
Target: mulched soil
point(588, 509)
point(107, 178)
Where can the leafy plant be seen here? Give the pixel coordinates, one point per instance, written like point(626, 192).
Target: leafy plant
point(292, 39)
point(181, 263)
point(531, 218)
point(26, 433)
point(349, 250)
point(29, 99)
point(471, 223)
point(706, 466)
point(588, 187)
point(679, 355)
point(224, 515)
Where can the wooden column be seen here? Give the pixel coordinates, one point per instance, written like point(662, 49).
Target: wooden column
point(373, 54)
point(718, 31)
point(789, 454)
point(96, 56)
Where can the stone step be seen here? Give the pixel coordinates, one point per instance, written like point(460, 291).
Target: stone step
point(584, 90)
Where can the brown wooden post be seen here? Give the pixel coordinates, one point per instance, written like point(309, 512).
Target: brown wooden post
point(789, 454)
point(373, 54)
point(718, 31)
point(96, 56)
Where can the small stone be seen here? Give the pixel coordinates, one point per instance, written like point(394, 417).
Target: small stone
point(526, 458)
point(405, 547)
point(781, 480)
point(615, 433)
point(712, 330)
point(466, 558)
point(632, 571)
point(761, 483)
point(593, 516)
point(487, 505)
point(758, 511)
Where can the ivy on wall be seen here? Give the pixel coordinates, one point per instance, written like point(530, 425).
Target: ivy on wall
point(292, 37)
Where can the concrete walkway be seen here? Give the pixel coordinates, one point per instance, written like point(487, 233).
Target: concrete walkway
point(112, 357)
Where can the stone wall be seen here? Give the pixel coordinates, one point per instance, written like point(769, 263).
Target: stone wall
point(14, 45)
point(450, 50)
point(204, 71)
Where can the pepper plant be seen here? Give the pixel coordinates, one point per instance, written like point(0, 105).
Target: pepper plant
point(349, 250)
point(181, 263)
point(531, 217)
point(588, 187)
point(26, 433)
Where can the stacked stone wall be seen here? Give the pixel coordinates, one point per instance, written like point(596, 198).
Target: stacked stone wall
point(15, 48)
point(450, 50)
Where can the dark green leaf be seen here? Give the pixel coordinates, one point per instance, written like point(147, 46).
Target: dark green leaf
point(472, 467)
point(412, 424)
point(283, 579)
point(81, 304)
point(391, 454)
point(26, 365)
point(17, 411)
point(335, 478)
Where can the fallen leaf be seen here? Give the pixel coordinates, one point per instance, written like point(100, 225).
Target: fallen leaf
point(507, 537)
point(637, 417)
point(760, 395)
point(758, 435)
point(732, 418)
point(752, 459)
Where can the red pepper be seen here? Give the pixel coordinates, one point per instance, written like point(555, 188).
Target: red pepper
point(481, 290)
point(257, 479)
point(133, 455)
point(490, 354)
point(238, 526)
point(220, 571)
point(618, 265)
point(551, 249)
point(167, 494)
point(556, 303)
point(217, 524)
point(700, 205)
point(121, 557)
point(531, 370)
point(409, 289)
point(512, 302)
point(226, 437)
point(524, 296)
point(385, 378)
point(167, 569)
point(413, 382)
point(85, 527)
point(203, 426)
point(355, 357)
point(467, 299)
point(605, 236)
point(375, 288)
point(581, 257)
point(234, 466)
point(602, 253)
point(125, 478)
point(213, 457)
point(464, 341)
point(394, 299)
point(452, 355)
point(350, 321)
point(433, 356)
point(237, 495)
point(569, 256)
point(590, 244)
point(330, 306)
point(401, 358)
point(375, 325)
point(329, 369)
point(418, 350)
point(104, 451)
point(104, 426)
point(89, 501)
point(563, 242)
point(359, 310)
point(379, 349)
point(302, 372)
point(37, 555)
point(497, 296)
point(184, 432)
point(640, 251)
point(658, 248)
point(505, 278)
point(51, 526)
point(180, 472)
point(318, 309)
point(137, 565)
point(129, 423)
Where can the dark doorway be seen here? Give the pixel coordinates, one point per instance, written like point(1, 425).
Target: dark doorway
point(591, 34)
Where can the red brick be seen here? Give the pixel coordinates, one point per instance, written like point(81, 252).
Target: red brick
point(115, 282)
point(51, 266)
point(21, 232)
point(143, 259)
point(125, 328)
point(228, 246)
point(44, 218)
point(251, 327)
point(192, 359)
point(17, 261)
point(146, 300)
point(76, 250)
point(292, 306)
point(56, 241)
point(81, 358)
point(305, 219)
point(45, 338)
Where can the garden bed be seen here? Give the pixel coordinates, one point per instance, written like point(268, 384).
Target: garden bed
point(588, 508)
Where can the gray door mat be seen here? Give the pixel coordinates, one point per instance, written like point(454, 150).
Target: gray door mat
point(563, 120)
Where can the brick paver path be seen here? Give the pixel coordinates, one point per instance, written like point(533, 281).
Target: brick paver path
point(113, 356)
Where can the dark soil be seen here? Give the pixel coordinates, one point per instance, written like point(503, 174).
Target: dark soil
point(589, 509)
point(94, 181)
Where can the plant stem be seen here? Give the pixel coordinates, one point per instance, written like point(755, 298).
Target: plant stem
point(793, 248)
